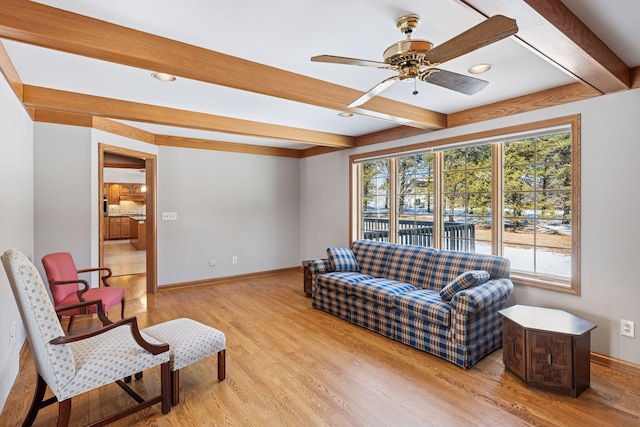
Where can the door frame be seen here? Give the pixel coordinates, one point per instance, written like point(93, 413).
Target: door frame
point(150, 161)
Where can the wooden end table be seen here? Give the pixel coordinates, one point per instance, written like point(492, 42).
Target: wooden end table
point(547, 349)
point(307, 278)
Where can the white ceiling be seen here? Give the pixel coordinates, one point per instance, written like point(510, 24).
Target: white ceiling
point(285, 34)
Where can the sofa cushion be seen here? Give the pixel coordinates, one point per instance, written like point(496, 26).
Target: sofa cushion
point(464, 281)
point(381, 291)
point(372, 256)
point(408, 263)
point(342, 259)
point(446, 265)
point(341, 281)
point(424, 304)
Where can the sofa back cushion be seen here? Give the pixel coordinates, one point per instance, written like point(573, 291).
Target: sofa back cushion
point(372, 256)
point(445, 266)
point(409, 264)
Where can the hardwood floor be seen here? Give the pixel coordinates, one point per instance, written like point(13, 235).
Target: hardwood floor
point(291, 365)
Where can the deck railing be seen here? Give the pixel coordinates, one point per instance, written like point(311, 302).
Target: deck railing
point(456, 235)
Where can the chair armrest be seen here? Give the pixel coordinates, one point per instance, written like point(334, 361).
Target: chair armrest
point(135, 333)
point(85, 286)
point(103, 278)
point(483, 296)
point(99, 309)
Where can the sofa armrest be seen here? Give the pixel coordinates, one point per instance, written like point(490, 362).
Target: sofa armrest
point(481, 297)
point(318, 266)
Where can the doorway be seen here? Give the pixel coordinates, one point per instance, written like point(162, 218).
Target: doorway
point(127, 226)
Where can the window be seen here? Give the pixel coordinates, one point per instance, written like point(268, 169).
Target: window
point(415, 200)
point(467, 199)
point(537, 205)
point(375, 200)
point(515, 192)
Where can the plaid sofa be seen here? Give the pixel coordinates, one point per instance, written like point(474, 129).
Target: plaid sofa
point(420, 296)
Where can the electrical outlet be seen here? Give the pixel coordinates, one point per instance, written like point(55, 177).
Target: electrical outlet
point(169, 216)
point(12, 332)
point(234, 260)
point(627, 328)
point(212, 263)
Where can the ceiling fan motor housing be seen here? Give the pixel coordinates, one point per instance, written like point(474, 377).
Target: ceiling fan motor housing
point(407, 52)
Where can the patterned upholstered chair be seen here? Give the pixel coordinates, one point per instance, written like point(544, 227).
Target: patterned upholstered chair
point(76, 364)
point(63, 282)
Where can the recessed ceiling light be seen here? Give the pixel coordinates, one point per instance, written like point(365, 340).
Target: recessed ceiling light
point(163, 77)
point(345, 114)
point(480, 68)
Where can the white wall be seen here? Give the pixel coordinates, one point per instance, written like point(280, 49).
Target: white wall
point(62, 192)
point(16, 221)
point(228, 204)
point(324, 204)
point(610, 172)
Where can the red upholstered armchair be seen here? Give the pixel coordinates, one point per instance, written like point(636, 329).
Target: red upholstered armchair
point(64, 283)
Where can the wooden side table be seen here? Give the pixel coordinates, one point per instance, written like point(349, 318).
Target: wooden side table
point(307, 278)
point(548, 349)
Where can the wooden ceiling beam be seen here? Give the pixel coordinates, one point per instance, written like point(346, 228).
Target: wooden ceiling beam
point(52, 28)
point(117, 128)
point(44, 115)
point(9, 72)
point(231, 147)
point(53, 99)
point(549, 28)
point(534, 101)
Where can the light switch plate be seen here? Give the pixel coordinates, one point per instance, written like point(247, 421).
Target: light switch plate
point(169, 216)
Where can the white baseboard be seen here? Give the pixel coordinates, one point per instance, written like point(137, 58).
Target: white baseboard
point(9, 372)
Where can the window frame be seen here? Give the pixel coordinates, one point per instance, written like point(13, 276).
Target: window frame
point(496, 138)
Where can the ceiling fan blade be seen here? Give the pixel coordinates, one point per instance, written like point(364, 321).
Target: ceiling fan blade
point(490, 31)
point(458, 82)
point(351, 61)
point(374, 91)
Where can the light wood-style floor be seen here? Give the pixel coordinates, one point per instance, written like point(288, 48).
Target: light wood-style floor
point(291, 365)
point(124, 259)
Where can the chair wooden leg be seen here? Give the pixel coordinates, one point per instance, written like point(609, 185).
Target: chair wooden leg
point(71, 319)
point(127, 379)
point(165, 384)
point(175, 388)
point(222, 368)
point(122, 309)
point(36, 404)
point(64, 413)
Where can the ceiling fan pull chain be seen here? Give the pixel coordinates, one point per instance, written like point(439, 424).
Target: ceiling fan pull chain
point(415, 86)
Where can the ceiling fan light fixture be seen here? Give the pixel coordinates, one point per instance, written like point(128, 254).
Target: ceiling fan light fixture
point(480, 68)
point(163, 77)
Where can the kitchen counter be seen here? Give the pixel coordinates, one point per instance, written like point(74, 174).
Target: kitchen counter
point(138, 227)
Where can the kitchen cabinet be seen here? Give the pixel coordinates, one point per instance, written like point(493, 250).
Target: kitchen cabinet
point(115, 228)
point(113, 195)
point(132, 192)
point(117, 192)
point(119, 227)
point(138, 227)
point(126, 228)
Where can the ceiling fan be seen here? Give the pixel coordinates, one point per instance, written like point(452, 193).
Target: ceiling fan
point(417, 59)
